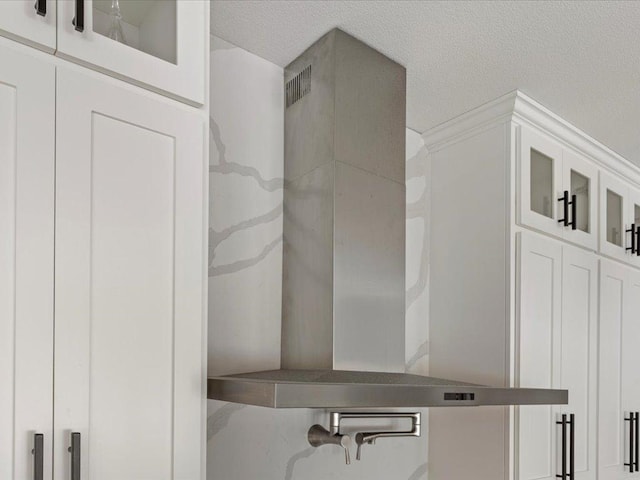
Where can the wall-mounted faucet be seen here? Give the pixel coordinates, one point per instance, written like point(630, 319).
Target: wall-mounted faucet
point(318, 435)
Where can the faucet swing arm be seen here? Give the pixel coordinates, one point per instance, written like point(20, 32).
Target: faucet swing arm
point(318, 435)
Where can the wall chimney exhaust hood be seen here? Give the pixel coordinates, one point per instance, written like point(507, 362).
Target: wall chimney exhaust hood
point(343, 302)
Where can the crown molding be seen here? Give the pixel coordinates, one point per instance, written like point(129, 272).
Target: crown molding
point(517, 107)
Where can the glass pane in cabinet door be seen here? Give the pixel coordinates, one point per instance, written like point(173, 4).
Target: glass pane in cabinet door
point(580, 188)
point(146, 25)
point(614, 218)
point(541, 184)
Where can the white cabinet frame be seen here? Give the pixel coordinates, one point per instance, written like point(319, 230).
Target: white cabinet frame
point(184, 80)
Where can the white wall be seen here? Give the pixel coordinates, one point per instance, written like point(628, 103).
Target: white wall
point(245, 269)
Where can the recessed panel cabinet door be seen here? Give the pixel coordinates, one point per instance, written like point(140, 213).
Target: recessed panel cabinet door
point(129, 361)
point(558, 349)
point(27, 103)
point(613, 449)
point(631, 360)
point(539, 326)
point(160, 44)
point(579, 357)
point(30, 21)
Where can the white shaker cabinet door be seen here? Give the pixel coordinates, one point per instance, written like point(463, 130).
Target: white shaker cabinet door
point(619, 357)
point(129, 341)
point(539, 327)
point(631, 364)
point(30, 21)
point(579, 357)
point(27, 103)
point(163, 43)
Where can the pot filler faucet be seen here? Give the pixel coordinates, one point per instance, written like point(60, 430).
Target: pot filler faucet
point(318, 435)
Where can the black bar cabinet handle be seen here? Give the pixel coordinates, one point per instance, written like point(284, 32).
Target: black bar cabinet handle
point(634, 246)
point(565, 206)
point(563, 422)
point(41, 7)
point(78, 20)
point(572, 444)
point(574, 213)
point(38, 456)
point(638, 241)
point(637, 452)
point(632, 450)
point(75, 455)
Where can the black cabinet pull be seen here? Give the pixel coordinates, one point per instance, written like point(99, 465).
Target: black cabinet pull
point(637, 452)
point(38, 456)
point(565, 209)
point(563, 422)
point(638, 241)
point(74, 449)
point(568, 471)
point(634, 246)
point(572, 444)
point(78, 20)
point(633, 430)
point(41, 7)
point(574, 214)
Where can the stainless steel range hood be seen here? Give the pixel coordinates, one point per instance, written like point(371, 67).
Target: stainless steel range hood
point(343, 331)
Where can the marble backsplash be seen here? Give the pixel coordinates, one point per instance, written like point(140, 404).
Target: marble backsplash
point(245, 269)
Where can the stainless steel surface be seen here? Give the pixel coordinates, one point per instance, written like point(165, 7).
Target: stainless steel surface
point(345, 389)
point(343, 295)
point(318, 436)
point(38, 456)
point(307, 289)
point(344, 211)
point(369, 280)
point(74, 449)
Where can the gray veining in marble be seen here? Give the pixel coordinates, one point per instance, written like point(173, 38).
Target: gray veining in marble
point(245, 271)
point(220, 418)
point(419, 209)
point(420, 472)
point(291, 463)
point(423, 351)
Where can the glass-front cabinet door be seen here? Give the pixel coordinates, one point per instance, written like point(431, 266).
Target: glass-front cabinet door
point(634, 225)
point(557, 190)
point(159, 44)
point(615, 224)
point(540, 182)
point(579, 200)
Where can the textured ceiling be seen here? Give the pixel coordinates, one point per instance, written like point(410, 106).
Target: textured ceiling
point(580, 59)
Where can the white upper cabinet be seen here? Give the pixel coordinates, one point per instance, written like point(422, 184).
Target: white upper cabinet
point(129, 256)
point(27, 129)
point(557, 190)
point(160, 44)
point(620, 220)
point(30, 21)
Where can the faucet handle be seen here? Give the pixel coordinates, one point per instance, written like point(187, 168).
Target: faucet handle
point(359, 442)
point(347, 456)
point(318, 435)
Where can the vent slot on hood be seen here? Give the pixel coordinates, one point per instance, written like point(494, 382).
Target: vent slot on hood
point(298, 86)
